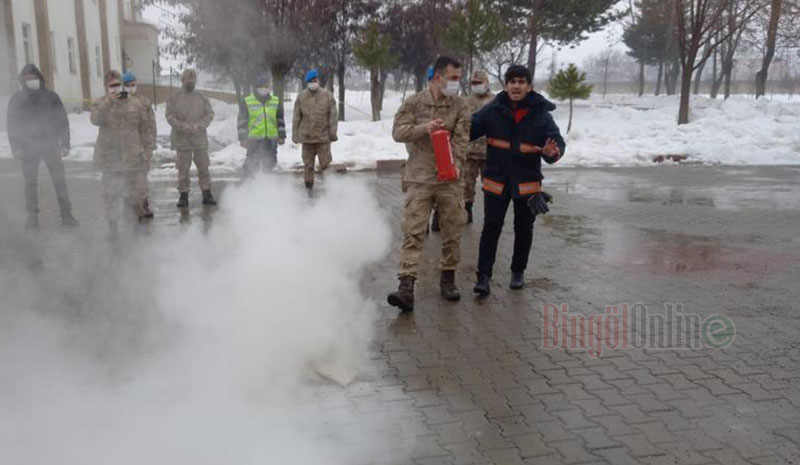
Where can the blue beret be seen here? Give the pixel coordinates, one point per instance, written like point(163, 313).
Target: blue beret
point(128, 77)
point(311, 75)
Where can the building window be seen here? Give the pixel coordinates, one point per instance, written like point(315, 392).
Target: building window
point(98, 60)
point(27, 46)
point(71, 52)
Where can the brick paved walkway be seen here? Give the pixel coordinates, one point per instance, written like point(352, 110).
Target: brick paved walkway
point(480, 389)
point(470, 383)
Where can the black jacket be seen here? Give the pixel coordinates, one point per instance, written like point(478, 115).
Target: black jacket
point(37, 121)
point(508, 169)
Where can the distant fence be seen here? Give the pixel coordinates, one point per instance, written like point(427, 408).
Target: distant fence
point(737, 87)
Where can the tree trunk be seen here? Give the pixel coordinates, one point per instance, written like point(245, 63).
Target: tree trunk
point(660, 77)
point(641, 78)
point(533, 49)
point(698, 77)
point(728, 76)
point(279, 72)
point(569, 126)
point(686, 91)
point(419, 81)
point(605, 77)
point(772, 37)
point(383, 75)
point(340, 74)
point(375, 94)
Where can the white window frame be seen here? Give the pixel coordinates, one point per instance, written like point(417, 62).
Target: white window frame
point(27, 42)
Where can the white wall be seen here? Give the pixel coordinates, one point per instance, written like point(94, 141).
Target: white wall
point(67, 83)
point(114, 34)
point(23, 12)
point(93, 43)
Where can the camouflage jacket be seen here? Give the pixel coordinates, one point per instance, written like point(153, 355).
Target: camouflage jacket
point(477, 148)
point(316, 118)
point(184, 110)
point(126, 134)
point(411, 128)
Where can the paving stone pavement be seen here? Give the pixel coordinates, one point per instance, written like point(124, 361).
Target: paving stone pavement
point(472, 383)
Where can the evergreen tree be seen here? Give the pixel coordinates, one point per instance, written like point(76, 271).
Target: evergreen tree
point(474, 29)
point(569, 84)
point(373, 51)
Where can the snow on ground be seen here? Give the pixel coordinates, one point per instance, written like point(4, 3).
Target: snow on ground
point(620, 130)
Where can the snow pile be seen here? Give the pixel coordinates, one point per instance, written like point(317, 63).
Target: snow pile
point(629, 131)
point(620, 130)
point(193, 347)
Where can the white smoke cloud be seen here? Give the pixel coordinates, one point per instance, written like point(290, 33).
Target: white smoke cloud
point(191, 346)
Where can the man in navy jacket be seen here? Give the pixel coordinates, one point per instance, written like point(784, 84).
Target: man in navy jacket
point(520, 133)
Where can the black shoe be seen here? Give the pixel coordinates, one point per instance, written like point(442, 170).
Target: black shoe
point(69, 221)
point(403, 298)
point(468, 207)
point(183, 200)
point(32, 223)
point(435, 223)
point(482, 287)
point(146, 212)
point(517, 281)
point(309, 184)
point(447, 284)
point(208, 198)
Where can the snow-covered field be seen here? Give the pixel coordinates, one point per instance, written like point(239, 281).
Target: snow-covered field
point(620, 130)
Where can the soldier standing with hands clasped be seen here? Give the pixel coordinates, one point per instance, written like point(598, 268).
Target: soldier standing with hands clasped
point(189, 113)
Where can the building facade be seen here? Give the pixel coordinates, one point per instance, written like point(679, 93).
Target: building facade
point(73, 42)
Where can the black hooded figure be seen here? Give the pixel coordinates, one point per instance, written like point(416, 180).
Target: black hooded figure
point(38, 130)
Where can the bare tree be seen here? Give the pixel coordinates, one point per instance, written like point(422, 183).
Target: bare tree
point(776, 7)
point(696, 21)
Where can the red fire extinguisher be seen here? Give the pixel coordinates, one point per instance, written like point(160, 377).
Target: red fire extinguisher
point(445, 163)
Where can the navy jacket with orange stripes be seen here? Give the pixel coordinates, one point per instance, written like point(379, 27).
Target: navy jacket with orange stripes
point(509, 171)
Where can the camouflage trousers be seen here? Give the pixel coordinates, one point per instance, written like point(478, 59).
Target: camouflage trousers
point(122, 193)
point(473, 168)
point(184, 164)
point(310, 153)
point(419, 202)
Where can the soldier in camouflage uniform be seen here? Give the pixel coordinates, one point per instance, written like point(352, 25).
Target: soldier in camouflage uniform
point(129, 83)
point(436, 108)
point(124, 142)
point(476, 154)
point(314, 125)
point(189, 113)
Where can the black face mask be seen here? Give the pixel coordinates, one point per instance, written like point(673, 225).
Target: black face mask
point(189, 86)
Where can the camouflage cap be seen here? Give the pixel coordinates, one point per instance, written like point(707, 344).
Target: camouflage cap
point(480, 75)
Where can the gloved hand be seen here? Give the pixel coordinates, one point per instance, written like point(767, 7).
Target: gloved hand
point(538, 203)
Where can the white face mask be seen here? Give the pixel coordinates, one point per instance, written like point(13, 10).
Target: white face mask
point(262, 91)
point(312, 86)
point(451, 88)
point(480, 89)
point(131, 89)
point(33, 84)
point(115, 90)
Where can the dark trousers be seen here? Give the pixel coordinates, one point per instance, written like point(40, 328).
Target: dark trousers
point(495, 209)
point(30, 170)
point(262, 155)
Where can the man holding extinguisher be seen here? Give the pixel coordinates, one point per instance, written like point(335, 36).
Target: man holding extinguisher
point(520, 132)
point(429, 180)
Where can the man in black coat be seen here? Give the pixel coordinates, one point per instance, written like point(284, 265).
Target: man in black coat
point(520, 133)
point(38, 130)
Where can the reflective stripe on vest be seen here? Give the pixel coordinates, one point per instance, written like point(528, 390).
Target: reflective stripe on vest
point(263, 117)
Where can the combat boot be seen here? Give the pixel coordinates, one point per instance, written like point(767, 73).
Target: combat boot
point(482, 287)
point(447, 284)
point(435, 223)
point(468, 207)
point(403, 298)
point(183, 200)
point(208, 198)
point(146, 212)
